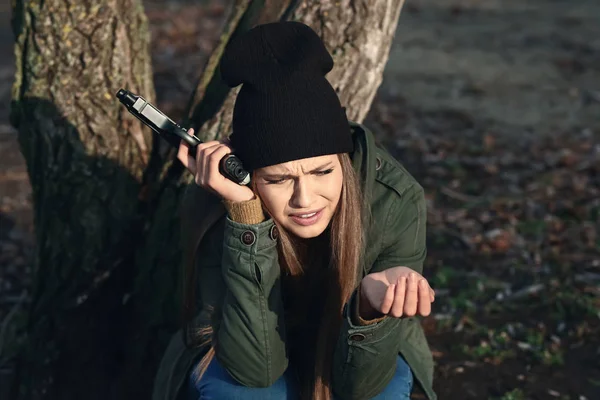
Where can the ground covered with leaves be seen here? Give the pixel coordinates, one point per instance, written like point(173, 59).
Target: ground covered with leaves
point(494, 107)
point(514, 256)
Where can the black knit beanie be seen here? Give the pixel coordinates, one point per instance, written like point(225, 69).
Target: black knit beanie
point(286, 110)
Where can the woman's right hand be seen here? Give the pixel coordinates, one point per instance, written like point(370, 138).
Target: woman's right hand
point(205, 168)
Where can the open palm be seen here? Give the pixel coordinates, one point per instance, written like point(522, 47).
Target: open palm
point(397, 292)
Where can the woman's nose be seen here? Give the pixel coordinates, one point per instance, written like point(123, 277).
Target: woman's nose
point(302, 197)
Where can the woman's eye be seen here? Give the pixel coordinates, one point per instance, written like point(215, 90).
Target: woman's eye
point(326, 172)
point(275, 182)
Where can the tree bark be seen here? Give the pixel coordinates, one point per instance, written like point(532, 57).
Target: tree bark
point(106, 294)
point(87, 159)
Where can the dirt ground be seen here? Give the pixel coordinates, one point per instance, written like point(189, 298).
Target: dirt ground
point(494, 106)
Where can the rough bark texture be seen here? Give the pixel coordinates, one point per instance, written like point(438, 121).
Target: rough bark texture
point(106, 296)
point(86, 158)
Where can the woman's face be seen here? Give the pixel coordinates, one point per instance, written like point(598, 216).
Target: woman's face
point(301, 195)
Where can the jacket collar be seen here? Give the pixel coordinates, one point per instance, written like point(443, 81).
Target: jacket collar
point(363, 157)
point(365, 163)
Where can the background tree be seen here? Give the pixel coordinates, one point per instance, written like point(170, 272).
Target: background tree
point(106, 289)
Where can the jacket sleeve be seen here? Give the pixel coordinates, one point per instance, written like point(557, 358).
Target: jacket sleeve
point(250, 338)
point(365, 355)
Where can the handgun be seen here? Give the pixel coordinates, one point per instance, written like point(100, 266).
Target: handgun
point(230, 166)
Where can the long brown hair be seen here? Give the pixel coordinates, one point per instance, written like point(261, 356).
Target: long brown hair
point(346, 237)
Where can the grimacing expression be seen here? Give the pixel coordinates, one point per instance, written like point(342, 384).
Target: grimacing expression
point(301, 195)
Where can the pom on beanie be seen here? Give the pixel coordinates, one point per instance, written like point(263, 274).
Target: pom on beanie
point(272, 48)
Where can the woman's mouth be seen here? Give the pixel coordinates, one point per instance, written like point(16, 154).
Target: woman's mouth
point(308, 218)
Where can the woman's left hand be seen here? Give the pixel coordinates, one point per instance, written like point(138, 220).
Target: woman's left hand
point(396, 292)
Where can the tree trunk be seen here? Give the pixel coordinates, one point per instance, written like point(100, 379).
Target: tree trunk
point(86, 159)
point(107, 282)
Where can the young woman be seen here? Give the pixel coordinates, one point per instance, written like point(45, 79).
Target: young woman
point(310, 281)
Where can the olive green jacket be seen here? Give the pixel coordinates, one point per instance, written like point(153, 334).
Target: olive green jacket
point(240, 292)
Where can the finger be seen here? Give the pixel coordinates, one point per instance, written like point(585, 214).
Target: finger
point(184, 150)
point(205, 165)
point(424, 299)
point(203, 150)
point(190, 160)
point(206, 168)
point(204, 146)
point(388, 299)
point(214, 159)
point(431, 294)
point(183, 155)
point(410, 300)
point(399, 294)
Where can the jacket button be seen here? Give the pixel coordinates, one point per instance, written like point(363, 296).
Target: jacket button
point(377, 164)
point(248, 238)
point(357, 337)
point(274, 233)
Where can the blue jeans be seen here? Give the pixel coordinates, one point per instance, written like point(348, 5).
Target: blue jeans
point(217, 384)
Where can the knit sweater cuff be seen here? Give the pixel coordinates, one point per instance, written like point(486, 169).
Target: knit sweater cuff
point(356, 314)
point(245, 212)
